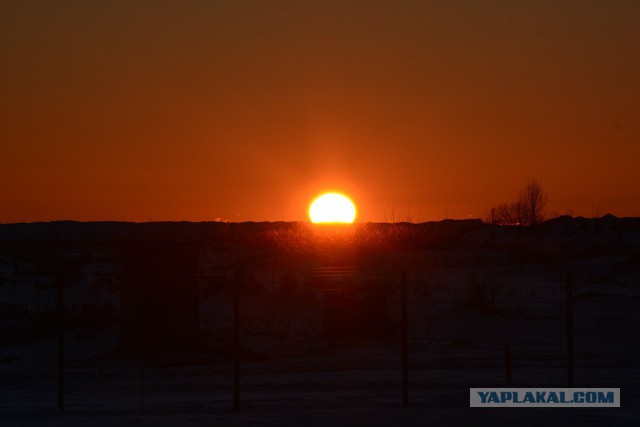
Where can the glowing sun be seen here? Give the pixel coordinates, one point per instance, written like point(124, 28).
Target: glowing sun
point(332, 208)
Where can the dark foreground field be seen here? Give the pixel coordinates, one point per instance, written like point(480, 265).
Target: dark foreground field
point(454, 414)
point(178, 323)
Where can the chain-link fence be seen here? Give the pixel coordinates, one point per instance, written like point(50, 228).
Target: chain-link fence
point(154, 330)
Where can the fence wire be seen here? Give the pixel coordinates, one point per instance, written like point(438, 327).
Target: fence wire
point(333, 334)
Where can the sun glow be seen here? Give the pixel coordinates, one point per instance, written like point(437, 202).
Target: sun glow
point(332, 208)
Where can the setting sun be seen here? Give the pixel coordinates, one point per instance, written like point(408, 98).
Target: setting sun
point(332, 208)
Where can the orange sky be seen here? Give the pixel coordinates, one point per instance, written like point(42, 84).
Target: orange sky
point(197, 110)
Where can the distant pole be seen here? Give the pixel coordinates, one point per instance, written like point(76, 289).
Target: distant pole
point(404, 326)
point(569, 328)
point(507, 364)
point(61, 333)
point(236, 342)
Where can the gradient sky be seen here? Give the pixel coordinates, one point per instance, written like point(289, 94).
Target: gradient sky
point(244, 110)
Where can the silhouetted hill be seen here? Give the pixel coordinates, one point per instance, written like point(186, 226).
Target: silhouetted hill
point(471, 240)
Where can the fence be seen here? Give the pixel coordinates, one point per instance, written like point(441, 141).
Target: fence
point(103, 336)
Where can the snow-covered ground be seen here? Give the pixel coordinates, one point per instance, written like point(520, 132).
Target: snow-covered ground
point(460, 320)
point(445, 409)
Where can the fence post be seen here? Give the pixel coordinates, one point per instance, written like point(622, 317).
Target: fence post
point(507, 364)
point(236, 342)
point(61, 333)
point(569, 328)
point(404, 325)
point(141, 384)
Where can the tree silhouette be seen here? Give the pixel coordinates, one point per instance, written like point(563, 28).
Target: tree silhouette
point(532, 201)
point(527, 209)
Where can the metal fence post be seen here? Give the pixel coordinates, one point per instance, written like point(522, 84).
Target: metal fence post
point(507, 364)
point(569, 328)
point(236, 342)
point(61, 333)
point(404, 325)
point(141, 384)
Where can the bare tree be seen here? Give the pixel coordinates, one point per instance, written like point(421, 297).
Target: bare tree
point(533, 200)
point(527, 209)
point(503, 214)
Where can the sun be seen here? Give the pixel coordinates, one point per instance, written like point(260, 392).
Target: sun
point(332, 208)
